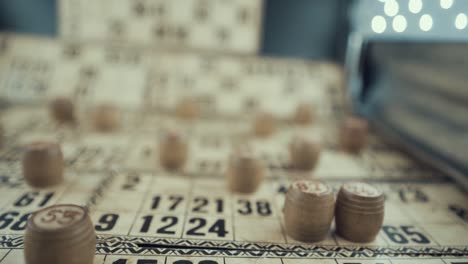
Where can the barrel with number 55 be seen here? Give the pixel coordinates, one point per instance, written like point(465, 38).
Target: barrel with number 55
point(60, 234)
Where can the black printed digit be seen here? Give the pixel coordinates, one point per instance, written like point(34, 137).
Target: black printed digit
point(199, 223)
point(394, 235)
point(147, 261)
point(263, 208)
point(200, 204)
point(219, 205)
point(406, 235)
point(282, 189)
point(156, 201)
point(7, 218)
point(26, 199)
point(21, 224)
point(461, 212)
point(246, 208)
point(146, 223)
point(46, 199)
point(106, 222)
point(219, 228)
point(172, 221)
point(176, 200)
point(414, 235)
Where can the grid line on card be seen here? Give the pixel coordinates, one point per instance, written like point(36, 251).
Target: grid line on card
point(66, 190)
point(4, 257)
point(416, 224)
point(429, 234)
point(187, 208)
point(333, 236)
point(233, 216)
point(278, 216)
point(145, 196)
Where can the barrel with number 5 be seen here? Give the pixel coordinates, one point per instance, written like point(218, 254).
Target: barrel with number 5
point(60, 234)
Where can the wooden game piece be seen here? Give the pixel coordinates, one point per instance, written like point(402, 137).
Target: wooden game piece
point(188, 108)
point(60, 234)
point(353, 134)
point(173, 150)
point(245, 171)
point(304, 114)
point(106, 118)
point(304, 153)
point(308, 210)
point(264, 125)
point(43, 164)
point(62, 110)
point(359, 212)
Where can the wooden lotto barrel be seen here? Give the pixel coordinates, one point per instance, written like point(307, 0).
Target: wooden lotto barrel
point(173, 150)
point(106, 117)
point(188, 108)
point(62, 110)
point(60, 234)
point(308, 210)
point(43, 164)
point(304, 114)
point(245, 171)
point(353, 134)
point(304, 154)
point(359, 212)
point(264, 125)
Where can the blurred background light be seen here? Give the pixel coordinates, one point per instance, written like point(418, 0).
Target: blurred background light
point(378, 24)
point(391, 8)
point(461, 21)
point(446, 4)
point(415, 6)
point(399, 23)
point(425, 22)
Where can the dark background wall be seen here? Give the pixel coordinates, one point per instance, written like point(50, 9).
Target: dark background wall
point(314, 29)
point(32, 16)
